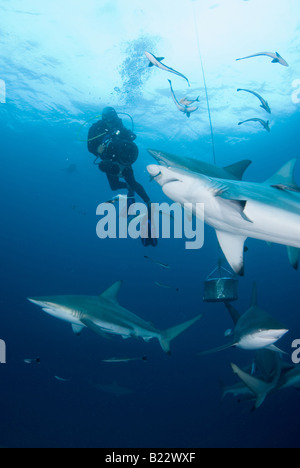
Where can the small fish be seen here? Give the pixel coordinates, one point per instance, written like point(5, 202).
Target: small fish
point(163, 265)
point(182, 107)
point(165, 286)
point(186, 102)
point(60, 379)
point(32, 361)
point(119, 198)
point(265, 124)
point(157, 62)
point(276, 57)
point(118, 360)
point(264, 104)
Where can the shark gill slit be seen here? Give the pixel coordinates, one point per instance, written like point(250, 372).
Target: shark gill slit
point(205, 85)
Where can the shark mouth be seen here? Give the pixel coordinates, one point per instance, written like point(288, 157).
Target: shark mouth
point(172, 181)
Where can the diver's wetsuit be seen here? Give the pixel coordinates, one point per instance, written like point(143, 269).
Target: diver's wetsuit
point(99, 134)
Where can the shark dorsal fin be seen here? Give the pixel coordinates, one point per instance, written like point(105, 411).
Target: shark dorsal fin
point(238, 169)
point(233, 313)
point(254, 296)
point(111, 294)
point(285, 176)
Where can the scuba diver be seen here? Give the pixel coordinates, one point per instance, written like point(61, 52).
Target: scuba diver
point(114, 144)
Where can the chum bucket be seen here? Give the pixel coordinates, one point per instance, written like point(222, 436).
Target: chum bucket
point(221, 286)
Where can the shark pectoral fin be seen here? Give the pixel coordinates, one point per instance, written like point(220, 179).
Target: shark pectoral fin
point(277, 350)
point(111, 294)
point(233, 249)
point(151, 65)
point(294, 255)
point(275, 61)
point(238, 169)
point(95, 328)
point(217, 350)
point(168, 335)
point(77, 329)
point(258, 387)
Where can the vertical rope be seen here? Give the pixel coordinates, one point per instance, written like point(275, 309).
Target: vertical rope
point(206, 92)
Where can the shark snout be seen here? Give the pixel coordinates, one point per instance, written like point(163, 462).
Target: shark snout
point(37, 302)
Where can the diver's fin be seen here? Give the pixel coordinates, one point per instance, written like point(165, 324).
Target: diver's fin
point(149, 237)
point(217, 350)
point(233, 249)
point(294, 255)
point(259, 388)
point(285, 177)
point(168, 335)
point(238, 169)
point(77, 329)
point(111, 294)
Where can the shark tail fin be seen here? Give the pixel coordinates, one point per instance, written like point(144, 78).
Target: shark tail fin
point(168, 335)
point(258, 387)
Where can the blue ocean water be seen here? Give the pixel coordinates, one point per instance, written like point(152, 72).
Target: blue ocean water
point(50, 190)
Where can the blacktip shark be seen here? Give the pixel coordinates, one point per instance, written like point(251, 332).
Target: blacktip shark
point(276, 57)
point(265, 124)
point(115, 360)
point(234, 171)
point(187, 109)
point(254, 330)
point(264, 103)
point(268, 211)
point(283, 376)
point(157, 62)
point(259, 388)
point(104, 315)
point(265, 366)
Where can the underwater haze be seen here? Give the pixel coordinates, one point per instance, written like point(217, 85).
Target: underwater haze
point(61, 64)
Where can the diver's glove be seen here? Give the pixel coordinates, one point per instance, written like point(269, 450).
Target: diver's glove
point(151, 240)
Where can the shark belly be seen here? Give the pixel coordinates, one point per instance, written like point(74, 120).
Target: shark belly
point(114, 328)
point(272, 224)
point(262, 222)
point(260, 339)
